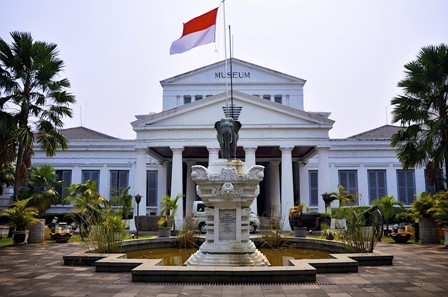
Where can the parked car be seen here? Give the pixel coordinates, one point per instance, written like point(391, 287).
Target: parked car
point(199, 218)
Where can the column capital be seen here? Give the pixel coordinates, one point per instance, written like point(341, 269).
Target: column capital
point(177, 149)
point(274, 162)
point(141, 149)
point(286, 149)
point(213, 149)
point(252, 148)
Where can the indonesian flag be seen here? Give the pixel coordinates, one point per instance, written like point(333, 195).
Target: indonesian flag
point(198, 31)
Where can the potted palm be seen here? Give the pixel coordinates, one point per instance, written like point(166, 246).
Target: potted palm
point(386, 205)
point(344, 198)
point(440, 212)
point(168, 208)
point(21, 217)
point(429, 229)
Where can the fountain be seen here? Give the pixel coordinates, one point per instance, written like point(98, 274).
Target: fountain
point(227, 188)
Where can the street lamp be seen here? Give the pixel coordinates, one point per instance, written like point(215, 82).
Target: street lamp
point(138, 198)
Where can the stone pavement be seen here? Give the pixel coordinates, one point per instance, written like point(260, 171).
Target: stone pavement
point(37, 270)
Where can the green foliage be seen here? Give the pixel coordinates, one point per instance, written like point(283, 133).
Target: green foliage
point(41, 190)
point(106, 231)
point(344, 198)
point(33, 101)
point(358, 237)
point(187, 237)
point(422, 205)
point(124, 202)
point(168, 208)
point(20, 215)
point(407, 216)
point(6, 174)
point(88, 204)
point(440, 209)
point(422, 112)
point(386, 205)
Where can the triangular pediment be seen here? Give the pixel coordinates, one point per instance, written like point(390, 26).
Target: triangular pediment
point(255, 112)
point(242, 73)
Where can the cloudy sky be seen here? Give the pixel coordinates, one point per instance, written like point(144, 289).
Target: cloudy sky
point(350, 52)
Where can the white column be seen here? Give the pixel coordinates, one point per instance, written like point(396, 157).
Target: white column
point(363, 186)
point(213, 154)
point(250, 161)
point(287, 187)
point(104, 186)
point(275, 194)
point(176, 183)
point(161, 182)
point(191, 191)
point(391, 174)
point(140, 182)
point(323, 176)
point(304, 184)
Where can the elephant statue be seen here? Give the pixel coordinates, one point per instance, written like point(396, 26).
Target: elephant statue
point(227, 137)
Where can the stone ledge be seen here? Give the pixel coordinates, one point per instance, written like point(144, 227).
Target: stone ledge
point(145, 270)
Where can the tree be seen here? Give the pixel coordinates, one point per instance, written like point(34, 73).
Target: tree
point(42, 183)
point(33, 101)
point(386, 205)
point(422, 112)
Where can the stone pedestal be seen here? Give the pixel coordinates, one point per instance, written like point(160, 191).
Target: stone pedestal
point(227, 188)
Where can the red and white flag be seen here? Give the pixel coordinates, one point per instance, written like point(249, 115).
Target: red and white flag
point(198, 31)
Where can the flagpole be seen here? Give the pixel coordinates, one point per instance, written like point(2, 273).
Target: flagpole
point(225, 57)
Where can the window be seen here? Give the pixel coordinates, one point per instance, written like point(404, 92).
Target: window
point(187, 99)
point(197, 97)
point(349, 180)
point(313, 184)
point(93, 175)
point(151, 188)
point(66, 177)
point(267, 97)
point(377, 184)
point(406, 186)
point(119, 180)
point(278, 99)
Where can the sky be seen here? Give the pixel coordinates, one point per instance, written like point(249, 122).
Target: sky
point(351, 52)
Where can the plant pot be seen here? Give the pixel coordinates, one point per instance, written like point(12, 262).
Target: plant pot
point(20, 237)
point(299, 231)
point(164, 232)
point(37, 232)
point(429, 231)
point(329, 236)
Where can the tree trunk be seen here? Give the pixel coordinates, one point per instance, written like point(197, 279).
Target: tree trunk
point(17, 181)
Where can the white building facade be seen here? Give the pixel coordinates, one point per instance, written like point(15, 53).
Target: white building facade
point(301, 161)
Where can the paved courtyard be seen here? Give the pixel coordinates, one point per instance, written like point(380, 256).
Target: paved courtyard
point(37, 270)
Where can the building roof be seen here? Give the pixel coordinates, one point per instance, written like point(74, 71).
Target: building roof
point(83, 133)
point(381, 133)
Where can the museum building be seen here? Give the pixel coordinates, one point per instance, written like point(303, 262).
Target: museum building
point(301, 161)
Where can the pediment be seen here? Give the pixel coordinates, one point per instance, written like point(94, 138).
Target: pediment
point(255, 112)
point(242, 73)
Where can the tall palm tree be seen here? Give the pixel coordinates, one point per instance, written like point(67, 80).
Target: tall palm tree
point(33, 100)
point(422, 111)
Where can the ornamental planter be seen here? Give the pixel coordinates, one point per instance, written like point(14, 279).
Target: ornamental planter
point(20, 237)
point(299, 231)
point(164, 232)
point(429, 231)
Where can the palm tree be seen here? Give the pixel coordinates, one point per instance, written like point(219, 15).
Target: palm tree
point(422, 112)
point(168, 207)
point(386, 205)
point(42, 182)
point(88, 203)
point(33, 100)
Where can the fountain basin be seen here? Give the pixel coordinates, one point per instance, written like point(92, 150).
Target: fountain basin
point(148, 270)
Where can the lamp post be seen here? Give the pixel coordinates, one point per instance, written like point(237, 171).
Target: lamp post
point(138, 198)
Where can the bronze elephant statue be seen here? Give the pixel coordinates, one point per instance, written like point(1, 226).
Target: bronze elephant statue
point(227, 135)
